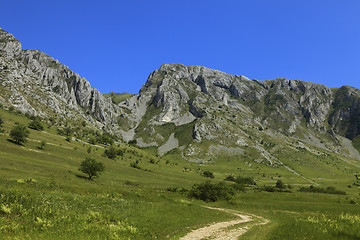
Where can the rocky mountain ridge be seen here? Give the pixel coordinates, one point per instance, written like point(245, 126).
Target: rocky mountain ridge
point(37, 84)
point(193, 111)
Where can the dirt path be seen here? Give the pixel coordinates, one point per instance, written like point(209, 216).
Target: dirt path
point(221, 231)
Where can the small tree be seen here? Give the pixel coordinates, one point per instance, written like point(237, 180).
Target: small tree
point(111, 152)
point(91, 167)
point(19, 133)
point(280, 184)
point(36, 125)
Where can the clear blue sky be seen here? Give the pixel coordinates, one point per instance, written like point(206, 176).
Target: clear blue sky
point(116, 44)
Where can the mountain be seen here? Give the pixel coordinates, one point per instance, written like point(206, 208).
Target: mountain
point(37, 84)
point(191, 112)
point(200, 111)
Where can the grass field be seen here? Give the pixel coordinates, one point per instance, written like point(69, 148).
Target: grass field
point(44, 196)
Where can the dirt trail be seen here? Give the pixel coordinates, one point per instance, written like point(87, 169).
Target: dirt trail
point(220, 231)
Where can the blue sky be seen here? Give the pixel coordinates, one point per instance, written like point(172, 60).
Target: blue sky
point(116, 44)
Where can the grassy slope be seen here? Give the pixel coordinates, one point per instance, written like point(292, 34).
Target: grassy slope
point(129, 203)
point(118, 97)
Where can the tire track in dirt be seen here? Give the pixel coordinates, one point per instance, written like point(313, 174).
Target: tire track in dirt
point(221, 231)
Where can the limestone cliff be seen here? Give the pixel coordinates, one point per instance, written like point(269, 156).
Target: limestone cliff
point(37, 84)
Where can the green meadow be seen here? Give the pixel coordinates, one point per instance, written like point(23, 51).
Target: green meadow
point(43, 195)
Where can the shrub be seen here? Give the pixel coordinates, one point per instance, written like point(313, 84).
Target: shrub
point(230, 178)
point(105, 139)
point(273, 189)
point(92, 140)
point(36, 125)
point(135, 165)
point(113, 152)
point(328, 190)
point(280, 184)
point(19, 134)
point(110, 152)
point(245, 180)
point(42, 145)
point(132, 142)
point(209, 192)
point(208, 174)
point(172, 189)
point(91, 167)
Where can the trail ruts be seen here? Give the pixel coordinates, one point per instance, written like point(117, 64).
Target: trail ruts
point(225, 230)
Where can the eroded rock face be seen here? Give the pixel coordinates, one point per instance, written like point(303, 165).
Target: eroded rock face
point(188, 104)
point(219, 107)
point(345, 118)
point(30, 75)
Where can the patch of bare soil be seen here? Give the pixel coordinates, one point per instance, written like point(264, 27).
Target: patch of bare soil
point(225, 230)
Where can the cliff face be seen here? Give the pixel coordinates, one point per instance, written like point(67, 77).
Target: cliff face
point(196, 110)
point(230, 110)
point(37, 84)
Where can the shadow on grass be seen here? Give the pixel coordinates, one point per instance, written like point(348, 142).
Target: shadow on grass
point(12, 141)
point(83, 177)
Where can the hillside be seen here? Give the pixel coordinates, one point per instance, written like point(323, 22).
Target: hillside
point(285, 150)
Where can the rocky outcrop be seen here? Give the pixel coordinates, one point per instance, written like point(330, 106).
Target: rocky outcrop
point(184, 107)
point(218, 107)
point(345, 117)
point(37, 84)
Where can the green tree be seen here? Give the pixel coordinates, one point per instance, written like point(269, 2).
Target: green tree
point(19, 133)
point(36, 125)
point(111, 152)
point(91, 167)
point(210, 192)
point(280, 184)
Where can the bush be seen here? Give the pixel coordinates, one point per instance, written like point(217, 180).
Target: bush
point(105, 139)
point(132, 142)
point(110, 152)
point(328, 190)
point(209, 192)
point(280, 184)
point(135, 165)
point(230, 178)
point(19, 134)
point(42, 145)
point(245, 180)
point(208, 174)
point(273, 189)
point(36, 125)
point(113, 152)
point(92, 140)
point(241, 180)
point(91, 167)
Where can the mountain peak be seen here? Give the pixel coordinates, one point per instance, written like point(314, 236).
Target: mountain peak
point(9, 45)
